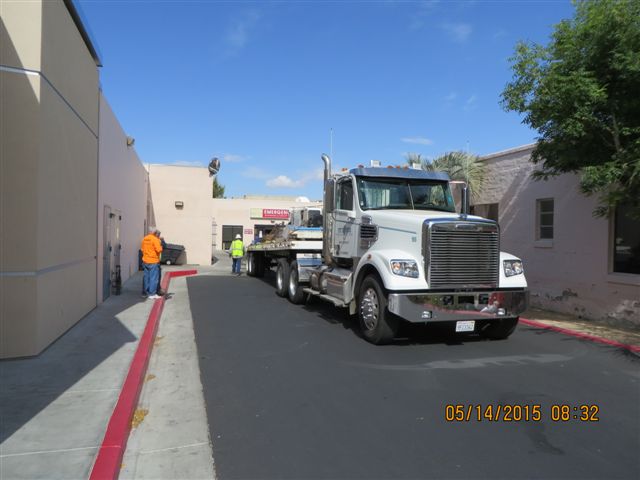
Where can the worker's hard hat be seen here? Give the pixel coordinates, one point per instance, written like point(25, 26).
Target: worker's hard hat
point(238, 237)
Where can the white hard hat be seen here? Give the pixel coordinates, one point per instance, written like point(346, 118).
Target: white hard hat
point(238, 237)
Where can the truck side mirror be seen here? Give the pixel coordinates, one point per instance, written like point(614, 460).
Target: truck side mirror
point(329, 196)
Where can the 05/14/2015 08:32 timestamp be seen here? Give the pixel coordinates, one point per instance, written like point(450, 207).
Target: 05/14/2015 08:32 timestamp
point(521, 413)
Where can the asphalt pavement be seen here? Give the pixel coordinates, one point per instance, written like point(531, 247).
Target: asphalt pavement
point(293, 392)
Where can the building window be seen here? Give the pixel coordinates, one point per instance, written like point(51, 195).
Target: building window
point(626, 245)
point(544, 215)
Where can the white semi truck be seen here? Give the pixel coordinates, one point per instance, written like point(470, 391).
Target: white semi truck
point(391, 248)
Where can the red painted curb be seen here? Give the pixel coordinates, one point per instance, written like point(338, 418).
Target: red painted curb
point(109, 459)
point(584, 336)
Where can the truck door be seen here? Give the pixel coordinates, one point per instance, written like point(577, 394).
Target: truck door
point(344, 229)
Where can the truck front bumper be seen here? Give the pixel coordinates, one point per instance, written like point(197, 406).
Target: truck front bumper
point(445, 307)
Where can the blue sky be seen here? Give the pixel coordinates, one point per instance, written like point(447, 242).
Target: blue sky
point(261, 85)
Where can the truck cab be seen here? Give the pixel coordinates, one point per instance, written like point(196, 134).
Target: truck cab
point(396, 248)
point(393, 247)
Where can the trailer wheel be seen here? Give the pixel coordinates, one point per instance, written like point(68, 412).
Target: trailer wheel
point(377, 323)
point(296, 294)
point(500, 329)
point(282, 277)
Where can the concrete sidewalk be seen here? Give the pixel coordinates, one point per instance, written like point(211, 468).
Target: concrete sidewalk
point(54, 408)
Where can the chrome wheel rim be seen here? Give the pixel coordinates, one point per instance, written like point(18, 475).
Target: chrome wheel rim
point(293, 282)
point(279, 278)
point(369, 309)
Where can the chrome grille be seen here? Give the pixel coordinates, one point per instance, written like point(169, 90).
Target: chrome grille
point(462, 254)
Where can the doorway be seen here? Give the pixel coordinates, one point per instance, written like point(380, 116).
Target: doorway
point(110, 249)
point(229, 232)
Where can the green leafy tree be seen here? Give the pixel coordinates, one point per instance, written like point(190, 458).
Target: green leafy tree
point(459, 165)
point(218, 190)
point(582, 94)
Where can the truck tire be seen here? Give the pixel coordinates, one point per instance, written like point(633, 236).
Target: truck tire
point(282, 277)
point(294, 290)
point(500, 329)
point(378, 325)
point(251, 265)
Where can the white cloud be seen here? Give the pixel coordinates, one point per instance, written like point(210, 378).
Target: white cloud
point(459, 32)
point(232, 158)
point(238, 33)
point(417, 140)
point(282, 181)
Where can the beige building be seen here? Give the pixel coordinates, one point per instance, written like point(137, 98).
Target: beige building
point(122, 204)
point(49, 102)
point(575, 263)
point(73, 191)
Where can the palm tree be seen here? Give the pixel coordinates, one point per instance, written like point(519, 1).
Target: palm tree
point(415, 159)
point(459, 165)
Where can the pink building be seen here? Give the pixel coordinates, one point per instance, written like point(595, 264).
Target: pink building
point(575, 263)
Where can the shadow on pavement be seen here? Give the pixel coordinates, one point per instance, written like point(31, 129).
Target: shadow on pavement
point(408, 334)
point(31, 384)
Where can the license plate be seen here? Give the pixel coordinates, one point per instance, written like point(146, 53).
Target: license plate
point(465, 326)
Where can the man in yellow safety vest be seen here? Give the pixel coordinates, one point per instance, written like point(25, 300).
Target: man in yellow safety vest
point(237, 252)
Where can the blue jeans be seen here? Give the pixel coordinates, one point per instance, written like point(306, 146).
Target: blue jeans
point(237, 265)
point(151, 278)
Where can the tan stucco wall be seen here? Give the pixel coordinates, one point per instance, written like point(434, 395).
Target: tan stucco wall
point(61, 40)
point(49, 176)
point(570, 274)
point(123, 187)
point(21, 34)
point(191, 225)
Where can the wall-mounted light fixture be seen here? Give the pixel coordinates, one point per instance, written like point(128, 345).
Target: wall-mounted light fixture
point(179, 204)
point(130, 141)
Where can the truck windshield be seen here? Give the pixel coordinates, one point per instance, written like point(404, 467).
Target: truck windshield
point(386, 193)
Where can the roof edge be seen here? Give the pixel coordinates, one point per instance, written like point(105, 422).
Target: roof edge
point(75, 16)
point(522, 148)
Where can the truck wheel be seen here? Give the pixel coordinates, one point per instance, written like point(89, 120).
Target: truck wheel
point(500, 329)
point(296, 295)
point(377, 323)
point(251, 265)
point(282, 277)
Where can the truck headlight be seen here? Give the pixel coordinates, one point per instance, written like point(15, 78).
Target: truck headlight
point(513, 267)
point(405, 268)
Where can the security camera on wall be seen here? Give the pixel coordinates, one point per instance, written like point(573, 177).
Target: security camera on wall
point(214, 166)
